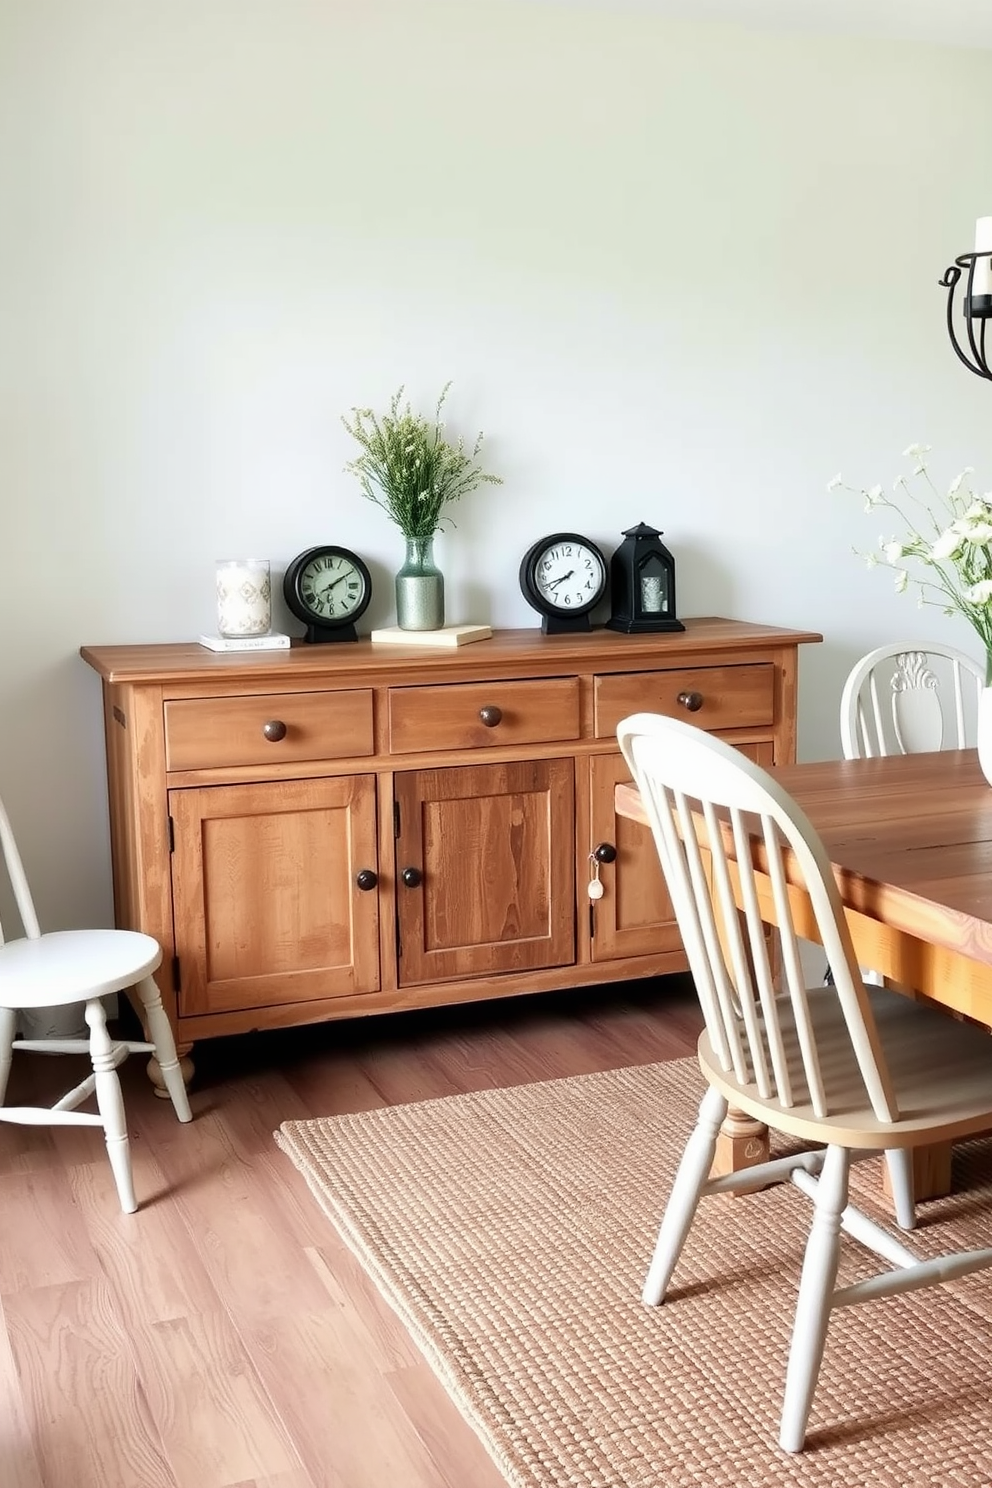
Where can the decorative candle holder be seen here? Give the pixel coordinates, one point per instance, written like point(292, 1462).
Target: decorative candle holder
point(976, 271)
point(244, 597)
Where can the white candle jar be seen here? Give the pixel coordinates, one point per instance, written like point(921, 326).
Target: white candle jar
point(244, 597)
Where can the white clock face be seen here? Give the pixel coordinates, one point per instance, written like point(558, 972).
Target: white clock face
point(331, 587)
point(569, 575)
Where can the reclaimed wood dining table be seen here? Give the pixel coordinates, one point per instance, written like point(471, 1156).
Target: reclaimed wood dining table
point(910, 841)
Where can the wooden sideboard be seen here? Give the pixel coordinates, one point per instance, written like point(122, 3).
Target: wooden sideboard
point(347, 829)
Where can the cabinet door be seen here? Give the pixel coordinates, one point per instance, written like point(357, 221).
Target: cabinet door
point(267, 905)
point(635, 915)
point(485, 878)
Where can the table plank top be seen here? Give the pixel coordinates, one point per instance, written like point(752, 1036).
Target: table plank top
point(910, 838)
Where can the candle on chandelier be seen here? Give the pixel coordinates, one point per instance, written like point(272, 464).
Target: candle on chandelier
point(981, 284)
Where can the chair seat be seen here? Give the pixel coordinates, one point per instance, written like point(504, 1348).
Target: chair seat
point(67, 966)
point(941, 1072)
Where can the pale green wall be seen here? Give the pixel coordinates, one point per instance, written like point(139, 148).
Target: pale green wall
point(678, 272)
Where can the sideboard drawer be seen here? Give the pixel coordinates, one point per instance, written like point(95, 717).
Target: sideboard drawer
point(208, 733)
point(468, 714)
point(724, 697)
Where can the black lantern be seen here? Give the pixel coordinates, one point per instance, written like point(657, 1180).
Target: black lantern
point(642, 584)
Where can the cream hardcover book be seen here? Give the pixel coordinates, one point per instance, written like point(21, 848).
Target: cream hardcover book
point(448, 635)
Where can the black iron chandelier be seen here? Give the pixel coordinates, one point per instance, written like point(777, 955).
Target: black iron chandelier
point(976, 270)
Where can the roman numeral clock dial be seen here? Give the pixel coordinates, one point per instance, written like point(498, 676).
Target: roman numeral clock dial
point(328, 588)
point(563, 577)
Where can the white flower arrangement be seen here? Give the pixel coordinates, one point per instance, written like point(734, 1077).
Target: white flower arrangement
point(950, 536)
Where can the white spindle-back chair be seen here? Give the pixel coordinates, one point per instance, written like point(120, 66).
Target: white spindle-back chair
point(66, 967)
point(906, 699)
point(836, 1065)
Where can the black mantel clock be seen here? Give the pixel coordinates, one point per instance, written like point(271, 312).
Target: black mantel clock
point(642, 584)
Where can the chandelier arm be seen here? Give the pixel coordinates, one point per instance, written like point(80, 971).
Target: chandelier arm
point(978, 364)
point(952, 275)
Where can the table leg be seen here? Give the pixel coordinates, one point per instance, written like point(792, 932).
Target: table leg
point(742, 1143)
point(931, 1172)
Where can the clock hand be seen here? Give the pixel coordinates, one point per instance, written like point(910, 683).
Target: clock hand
point(561, 579)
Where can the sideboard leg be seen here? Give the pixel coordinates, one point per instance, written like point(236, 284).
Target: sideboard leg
point(185, 1069)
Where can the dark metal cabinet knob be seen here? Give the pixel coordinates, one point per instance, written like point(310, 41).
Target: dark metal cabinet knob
point(605, 853)
point(691, 701)
point(274, 730)
point(412, 877)
point(367, 879)
point(491, 715)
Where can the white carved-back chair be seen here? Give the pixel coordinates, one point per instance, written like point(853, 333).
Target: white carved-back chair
point(908, 700)
point(65, 967)
point(850, 1066)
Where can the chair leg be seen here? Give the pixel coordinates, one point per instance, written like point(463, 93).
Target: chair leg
point(899, 1161)
point(8, 1026)
point(160, 1033)
point(816, 1287)
point(693, 1171)
point(110, 1103)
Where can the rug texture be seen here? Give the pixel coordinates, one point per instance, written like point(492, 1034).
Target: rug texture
point(511, 1230)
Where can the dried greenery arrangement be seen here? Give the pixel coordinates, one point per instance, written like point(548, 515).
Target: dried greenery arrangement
point(409, 468)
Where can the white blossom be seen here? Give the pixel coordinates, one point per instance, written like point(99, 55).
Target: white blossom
point(916, 451)
point(836, 481)
point(947, 545)
point(976, 525)
point(894, 551)
point(959, 480)
point(979, 593)
point(902, 579)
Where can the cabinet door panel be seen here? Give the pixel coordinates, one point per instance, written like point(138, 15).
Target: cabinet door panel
point(493, 846)
point(635, 915)
point(267, 908)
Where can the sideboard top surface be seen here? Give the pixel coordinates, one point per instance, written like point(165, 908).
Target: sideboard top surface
point(187, 661)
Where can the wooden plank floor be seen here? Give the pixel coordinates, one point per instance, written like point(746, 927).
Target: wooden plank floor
point(223, 1337)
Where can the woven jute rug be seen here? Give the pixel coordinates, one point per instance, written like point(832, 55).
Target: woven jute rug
point(511, 1231)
